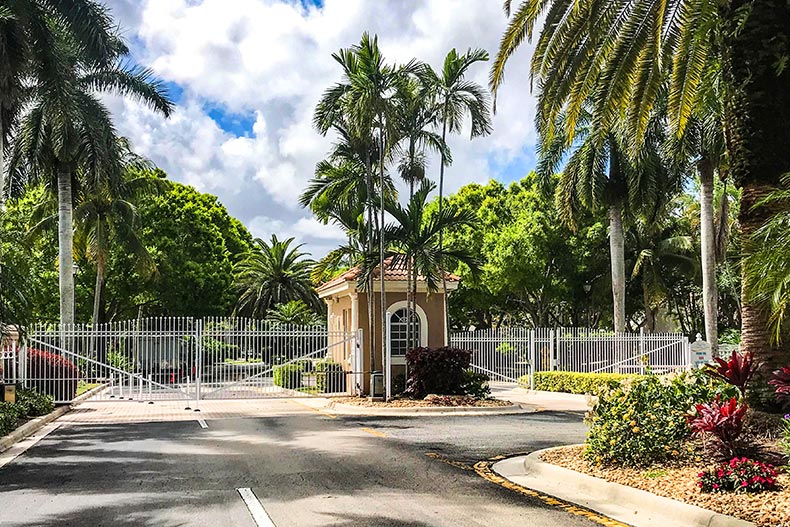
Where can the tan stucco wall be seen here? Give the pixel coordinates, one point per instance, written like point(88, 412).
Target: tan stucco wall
point(432, 304)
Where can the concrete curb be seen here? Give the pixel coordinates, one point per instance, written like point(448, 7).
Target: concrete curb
point(626, 504)
point(31, 427)
point(350, 409)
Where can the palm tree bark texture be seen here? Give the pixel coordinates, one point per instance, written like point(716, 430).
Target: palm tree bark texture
point(756, 47)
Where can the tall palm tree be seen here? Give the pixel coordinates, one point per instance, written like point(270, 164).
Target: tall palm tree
point(29, 30)
point(457, 98)
point(597, 176)
point(415, 237)
point(273, 273)
point(293, 313)
point(364, 100)
point(622, 52)
point(67, 131)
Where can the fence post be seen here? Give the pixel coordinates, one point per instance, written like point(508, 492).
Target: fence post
point(359, 361)
point(532, 361)
point(642, 351)
point(198, 362)
point(552, 350)
point(388, 362)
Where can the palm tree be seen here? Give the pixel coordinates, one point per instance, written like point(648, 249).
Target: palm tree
point(29, 30)
point(68, 131)
point(415, 238)
point(294, 313)
point(457, 98)
point(273, 273)
point(621, 53)
point(364, 101)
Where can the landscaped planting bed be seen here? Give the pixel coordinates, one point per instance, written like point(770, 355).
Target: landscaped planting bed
point(679, 481)
point(433, 402)
point(692, 436)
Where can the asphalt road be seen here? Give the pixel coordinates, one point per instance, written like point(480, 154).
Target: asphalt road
point(306, 469)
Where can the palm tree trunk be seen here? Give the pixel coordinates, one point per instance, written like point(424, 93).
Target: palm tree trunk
point(650, 317)
point(617, 256)
point(368, 249)
point(100, 264)
point(65, 246)
point(441, 241)
point(2, 166)
point(710, 294)
point(757, 111)
point(383, 294)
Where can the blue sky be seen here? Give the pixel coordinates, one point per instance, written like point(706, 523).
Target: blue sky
point(246, 76)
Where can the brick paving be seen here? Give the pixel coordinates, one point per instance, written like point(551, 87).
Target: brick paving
point(113, 412)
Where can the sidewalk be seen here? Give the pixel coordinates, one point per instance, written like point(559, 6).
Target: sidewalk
point(550, 401)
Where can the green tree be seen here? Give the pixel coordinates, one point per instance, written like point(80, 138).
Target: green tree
point(457, 98)
point(193, 242)
point(271, 274)
point(67, 134)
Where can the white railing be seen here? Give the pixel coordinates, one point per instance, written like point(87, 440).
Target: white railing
point(508, 354)
point(184, 358)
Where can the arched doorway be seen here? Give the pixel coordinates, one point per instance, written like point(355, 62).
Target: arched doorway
point(399, 330)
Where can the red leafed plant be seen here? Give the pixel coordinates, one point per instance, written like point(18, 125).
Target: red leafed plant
point(737, 371)
point(739, 475)
point(721, 421)
point(781, 383)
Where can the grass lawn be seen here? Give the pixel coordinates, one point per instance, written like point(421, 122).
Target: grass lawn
point(83, 386)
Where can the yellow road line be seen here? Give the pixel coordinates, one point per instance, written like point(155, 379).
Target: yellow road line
point(483, 469)
point(373, 432)
point(327, 414)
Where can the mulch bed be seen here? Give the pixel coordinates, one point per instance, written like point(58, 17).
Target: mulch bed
point(430, 401)
point(679, 481)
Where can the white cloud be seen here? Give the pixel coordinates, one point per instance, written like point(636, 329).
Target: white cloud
point(272, 60)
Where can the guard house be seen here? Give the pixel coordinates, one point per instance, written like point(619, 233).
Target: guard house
point(347, 312)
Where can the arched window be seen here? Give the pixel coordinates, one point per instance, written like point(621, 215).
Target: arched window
point(399, 330)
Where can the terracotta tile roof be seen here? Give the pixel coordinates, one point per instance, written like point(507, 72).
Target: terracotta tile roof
point(392, 272)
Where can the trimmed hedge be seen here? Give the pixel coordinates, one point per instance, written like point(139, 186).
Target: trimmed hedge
point(289, 375)
point(440, 371)
point(573, 382)
point(330, 377)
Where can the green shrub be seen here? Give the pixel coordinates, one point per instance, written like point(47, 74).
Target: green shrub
point(10, 414)
point(34, 403)
point(643, 420)
point(476, 385)
point(289, 375)
point(572, 382)
point(330, 377)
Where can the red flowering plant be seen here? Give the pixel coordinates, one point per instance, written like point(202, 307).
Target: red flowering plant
point(740, 474)
point(721, 422)
point(737, 371)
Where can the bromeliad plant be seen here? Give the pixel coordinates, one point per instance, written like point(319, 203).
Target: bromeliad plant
point(737, 371)
point(721, 422)
point(781, 383)
point(738, 475)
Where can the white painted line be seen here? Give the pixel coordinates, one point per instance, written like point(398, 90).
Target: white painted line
point(18, 449)
point(256, 509)
point(202, 423)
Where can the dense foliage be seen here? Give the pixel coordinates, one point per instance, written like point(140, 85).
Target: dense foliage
point(740, 474)
point(643, 421)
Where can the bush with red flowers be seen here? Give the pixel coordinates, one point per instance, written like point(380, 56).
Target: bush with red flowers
point(740, 474)
point(721, 421)
point(52, 374)
point(737, 371)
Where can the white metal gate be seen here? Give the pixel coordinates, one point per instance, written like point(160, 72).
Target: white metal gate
point(185, 358)
point(508, 354)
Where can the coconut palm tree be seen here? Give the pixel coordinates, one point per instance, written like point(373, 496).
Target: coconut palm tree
point(67, 131)
point(273, 273)
point(455, 99)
